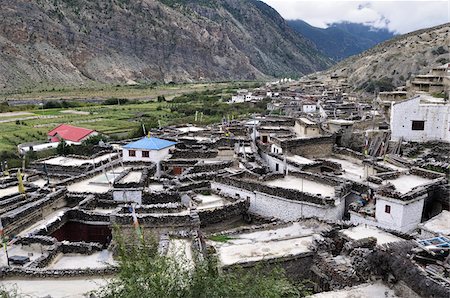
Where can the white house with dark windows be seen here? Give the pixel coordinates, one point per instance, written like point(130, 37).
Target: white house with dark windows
point(421, 118)
point(148, 149)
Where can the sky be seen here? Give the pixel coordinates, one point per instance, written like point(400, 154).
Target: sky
point(400, 16)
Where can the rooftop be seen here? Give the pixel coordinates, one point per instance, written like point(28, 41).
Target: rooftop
point(149, 143)
point(439, 225)
point(70, 133)
point(303, 185)
point(406, 183)
point(363, 231)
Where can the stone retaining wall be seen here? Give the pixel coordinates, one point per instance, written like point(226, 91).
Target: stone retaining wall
point(394, 258)
point(223, 213)
point(26, 215)
point(194, 154)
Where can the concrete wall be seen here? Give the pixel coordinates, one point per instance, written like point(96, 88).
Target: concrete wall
point(404, 216)
point(127, 195)
point(436, 117)
point(154, 155)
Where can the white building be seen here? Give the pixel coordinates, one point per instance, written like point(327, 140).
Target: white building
point(421, 118)
point(308, 107)
point(148, 149)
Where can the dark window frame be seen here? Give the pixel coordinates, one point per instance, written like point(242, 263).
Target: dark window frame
point(418, 125)
point(146, 154)
point(387, 209)
point(132, 153)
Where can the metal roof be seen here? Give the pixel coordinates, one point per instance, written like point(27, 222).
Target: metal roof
point(149, 143)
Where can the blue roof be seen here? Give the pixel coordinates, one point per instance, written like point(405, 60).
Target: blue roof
point(149, 144)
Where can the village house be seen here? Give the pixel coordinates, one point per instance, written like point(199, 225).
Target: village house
point(71, 134)
point(436, 81)
point(421, 118)
point(306, 128)
point(148, 149)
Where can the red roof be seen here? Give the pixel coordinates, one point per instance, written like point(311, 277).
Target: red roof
point(69, 133)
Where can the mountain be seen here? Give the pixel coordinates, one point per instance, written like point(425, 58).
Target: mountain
point(341, 40)
point(392, 62)
point(75, 42)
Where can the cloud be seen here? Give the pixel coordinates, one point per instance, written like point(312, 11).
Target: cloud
point(398, 16)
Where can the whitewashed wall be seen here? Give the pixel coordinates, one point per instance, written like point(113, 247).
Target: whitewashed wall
point(272, 206)
point(154, 155)
point(436, 117)
point(404, 216)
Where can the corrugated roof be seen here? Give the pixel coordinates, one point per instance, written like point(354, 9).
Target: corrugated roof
point(70, 133)
point(149, 144)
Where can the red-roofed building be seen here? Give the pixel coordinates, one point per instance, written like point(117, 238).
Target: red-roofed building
point(70, 134)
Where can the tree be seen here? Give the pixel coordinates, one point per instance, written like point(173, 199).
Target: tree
point(143, 272)
point(63, 148)
point(161, 98)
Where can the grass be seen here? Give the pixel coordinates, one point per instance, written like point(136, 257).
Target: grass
point(220, 238)
point(143, 91)
point(122, 120)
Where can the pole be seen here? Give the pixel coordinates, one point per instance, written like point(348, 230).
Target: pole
point(5, 246)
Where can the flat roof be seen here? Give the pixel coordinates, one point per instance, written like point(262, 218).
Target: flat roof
point(306, 120)
point(303, 185)
point(363, 231)
point(56, 287)
point(250, 252)
point(70, 161)
point(300, 159)
point(440, 224)
point(406, 183)
point(351, 170)
point(377, 289)
point(269, 243)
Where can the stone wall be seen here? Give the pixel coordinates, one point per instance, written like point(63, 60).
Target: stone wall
point(394, 259)
point(209, 167)
point(157, 221)
point(160, 197)
point(310, 147)
point(26, 215)
point(19, 272)
point(194, 154)
point(143, 181)
point(229, 211)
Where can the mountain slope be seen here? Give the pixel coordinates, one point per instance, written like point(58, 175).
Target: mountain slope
point(341, 40)
point(73, 42)
point(395, 61)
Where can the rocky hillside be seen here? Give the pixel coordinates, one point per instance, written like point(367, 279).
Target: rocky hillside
point(391, 63)
point(74, 42)
point(342, 40)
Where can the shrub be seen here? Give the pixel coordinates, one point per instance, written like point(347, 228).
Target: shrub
point(143, 272)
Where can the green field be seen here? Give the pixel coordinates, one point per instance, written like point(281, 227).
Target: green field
point(144, 92)
point(120, 121)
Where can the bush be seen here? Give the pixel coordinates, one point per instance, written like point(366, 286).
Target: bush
point(143, 272)
point(115, 101)
point(63, 148)
point(381, 85)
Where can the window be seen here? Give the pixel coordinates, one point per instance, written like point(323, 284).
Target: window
point(277, 167)
point(145, 154)
point(387, 209)
point(418, 125)
point(132, 153)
